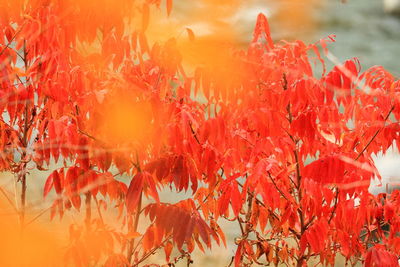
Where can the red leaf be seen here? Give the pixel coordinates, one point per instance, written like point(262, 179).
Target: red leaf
point(183, 221)
point(134, 192)
point(168, 249)
point(52, 130)
point(204, 231)
point(189, 229)
point(113, 189)
point(48, 185)
point(71, 181)
point(223, 202)
point(262, 27)
point(83, 153)
point(53, 139)
point(378, 256)
point(303, 243)
point(150, 186)
point(236, 198)
point(148, 239)
point(82, 182)
point(76, 201)
point(9, 32)
point(238, 255)
point(92, 182)
point(57, 182)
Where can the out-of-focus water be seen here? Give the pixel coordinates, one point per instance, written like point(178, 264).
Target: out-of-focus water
point(363, 30)
point(361, 27)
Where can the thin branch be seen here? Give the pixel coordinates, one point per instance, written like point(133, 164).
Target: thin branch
point(298, 173)
point(194, 133)
point(310, 222)
point(8, 199)
point(334, 205)
point(241, 226)
point(22, 173)
point(271, 212)
point(88, 135)
point(12, 39)
point(376, 133)
point(37, 216)
point(276, 187)
point(137, 244)
point(249, 212)
point(230, 263)
point(148, 254)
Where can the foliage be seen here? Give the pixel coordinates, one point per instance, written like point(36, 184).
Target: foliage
point(255, 137)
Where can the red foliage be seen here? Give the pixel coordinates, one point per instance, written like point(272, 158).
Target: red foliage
point(259, 138)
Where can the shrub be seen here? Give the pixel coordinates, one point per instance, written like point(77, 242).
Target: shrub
point(255, 136)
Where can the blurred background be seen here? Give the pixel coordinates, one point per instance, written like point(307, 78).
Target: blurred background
point(362, 27)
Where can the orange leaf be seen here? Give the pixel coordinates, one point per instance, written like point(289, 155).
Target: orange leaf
point(144, 46)
point(145, 17)
point(169, 7)
point(148, 238)
point(132, 235)
point(168, 249)
point(190, 34)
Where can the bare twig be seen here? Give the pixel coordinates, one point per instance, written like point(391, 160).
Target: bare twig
point(276, 187)
point(37, 216)
point(8, 199)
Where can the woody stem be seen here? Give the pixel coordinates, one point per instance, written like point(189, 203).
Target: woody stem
point(22, 171)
